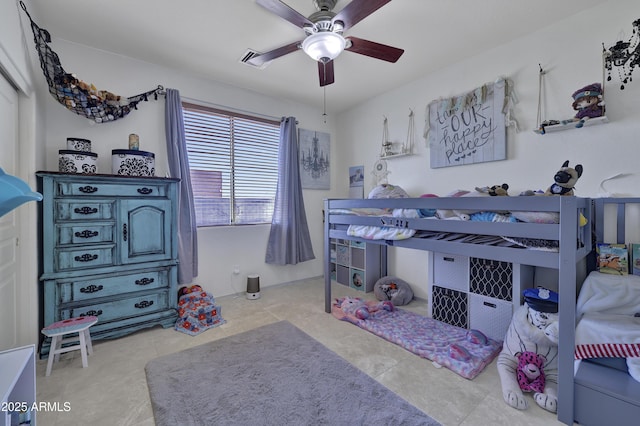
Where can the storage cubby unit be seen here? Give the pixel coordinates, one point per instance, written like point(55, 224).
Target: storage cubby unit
point(355, 264)
point(18, 386)
point(476, 293)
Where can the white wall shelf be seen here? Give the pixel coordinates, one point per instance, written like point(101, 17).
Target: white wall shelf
point(568, 125)
point(384, 157)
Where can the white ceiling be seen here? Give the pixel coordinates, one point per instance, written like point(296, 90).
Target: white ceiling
point(208, 38)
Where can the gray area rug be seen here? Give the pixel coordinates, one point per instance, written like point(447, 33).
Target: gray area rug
point(272, 375)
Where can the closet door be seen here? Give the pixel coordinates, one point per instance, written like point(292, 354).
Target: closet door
point(9, 270)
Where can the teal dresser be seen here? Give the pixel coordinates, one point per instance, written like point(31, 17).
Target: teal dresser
point(109, 249)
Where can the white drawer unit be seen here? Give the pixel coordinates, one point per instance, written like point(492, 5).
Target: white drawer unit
point(355, 264)
point(476, 293)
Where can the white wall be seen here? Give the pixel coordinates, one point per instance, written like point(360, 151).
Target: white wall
point(571, 53)
point(569, 50)
point(220, 248)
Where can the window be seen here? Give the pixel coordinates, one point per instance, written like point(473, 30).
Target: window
point(233, 162)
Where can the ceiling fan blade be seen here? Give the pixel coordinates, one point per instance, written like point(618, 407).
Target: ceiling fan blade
point(276, 53)
point(373, 49)
point(325, 71)
point(285, 12)
point(357, 10)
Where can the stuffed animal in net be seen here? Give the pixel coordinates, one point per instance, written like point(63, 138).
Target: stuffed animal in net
point(394, 289)
point(533, 328)
point(530, 372)
point(565, 180)
point(355, 308)
point(589, 103)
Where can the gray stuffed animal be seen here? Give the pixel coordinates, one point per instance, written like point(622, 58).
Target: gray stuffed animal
point(394, 289)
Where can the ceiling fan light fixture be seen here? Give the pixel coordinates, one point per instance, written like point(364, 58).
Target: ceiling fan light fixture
point(323, 46)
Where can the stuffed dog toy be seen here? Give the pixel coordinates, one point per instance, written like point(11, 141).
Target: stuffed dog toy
point(564, 180)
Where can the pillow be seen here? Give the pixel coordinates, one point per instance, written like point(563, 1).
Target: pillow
point(537, 217)
point(394, 289)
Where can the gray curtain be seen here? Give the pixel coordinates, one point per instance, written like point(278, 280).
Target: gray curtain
point(289, 240)
point(179, 168)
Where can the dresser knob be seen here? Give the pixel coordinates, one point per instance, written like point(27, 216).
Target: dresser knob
point(92, 288)
point(87, 233)
point(144, 304)
point(145, 191)
point(86, 210)
point(88, 189)
point(87, 257)
point(144, 281)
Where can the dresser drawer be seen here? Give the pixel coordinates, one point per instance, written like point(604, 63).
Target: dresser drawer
point(88, 233)
point(451, 271)
point(79, 189)
point(79, 210)
point(117, 309)
point(82, 258)
point(84, 289)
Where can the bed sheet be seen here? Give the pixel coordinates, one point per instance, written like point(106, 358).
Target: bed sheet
point(608, 312)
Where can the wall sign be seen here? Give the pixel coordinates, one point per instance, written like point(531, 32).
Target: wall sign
point(469, 128)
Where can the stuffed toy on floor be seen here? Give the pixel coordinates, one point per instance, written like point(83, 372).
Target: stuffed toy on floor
point(394, 289)
point(534, 329)
point(354, 308)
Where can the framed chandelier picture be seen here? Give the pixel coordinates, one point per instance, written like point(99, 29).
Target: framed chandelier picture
point(314, 157)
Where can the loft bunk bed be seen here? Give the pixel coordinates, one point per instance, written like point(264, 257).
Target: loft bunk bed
point(567, 244)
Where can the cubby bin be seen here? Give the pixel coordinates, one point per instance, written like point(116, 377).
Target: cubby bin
point(491, 278)
point(450, 306)
point(451, 271)
point(490, 315)
point(357, 279)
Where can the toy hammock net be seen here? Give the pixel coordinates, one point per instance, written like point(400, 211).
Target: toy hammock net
point(84, 99)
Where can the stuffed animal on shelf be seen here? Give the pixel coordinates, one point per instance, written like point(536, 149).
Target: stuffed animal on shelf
point(354, 308)
point(530, 371)
point(564, 180)
point(589, 103)
point(499, 190)
point(533, 328)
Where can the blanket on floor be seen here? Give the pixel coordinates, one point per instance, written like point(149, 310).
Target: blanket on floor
point(465, 352)
point(197, 311)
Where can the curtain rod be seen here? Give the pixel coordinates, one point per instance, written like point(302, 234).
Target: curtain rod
point(230, 109)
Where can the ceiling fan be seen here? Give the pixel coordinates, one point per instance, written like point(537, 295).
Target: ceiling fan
point(324, 40)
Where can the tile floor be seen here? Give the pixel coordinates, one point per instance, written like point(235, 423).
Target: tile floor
point(113, 389)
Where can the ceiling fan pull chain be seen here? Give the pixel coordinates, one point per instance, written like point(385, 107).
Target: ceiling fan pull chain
point(324, 103)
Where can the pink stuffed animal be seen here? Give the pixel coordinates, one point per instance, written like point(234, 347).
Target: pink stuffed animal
point(354, 308)
point(530, 372)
